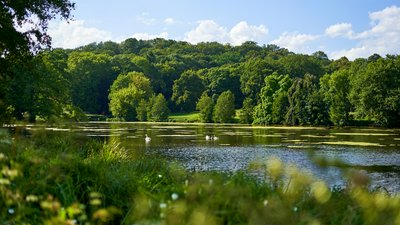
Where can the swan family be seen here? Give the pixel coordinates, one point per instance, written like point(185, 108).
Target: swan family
point(211, 138)
point(208, 138)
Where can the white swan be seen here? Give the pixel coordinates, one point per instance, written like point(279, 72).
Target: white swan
point(147, 138)
point(208, 137)
point(215, 138)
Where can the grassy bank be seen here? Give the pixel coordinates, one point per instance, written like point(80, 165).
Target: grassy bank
point(184, 117)
point(54, 178)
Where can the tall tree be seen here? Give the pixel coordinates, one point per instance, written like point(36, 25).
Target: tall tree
point(16, 44)
point(159, 110)
point(274, 84)
point(336, 89)
point(224, 109)
point(306, 105)
point(206, 106)
point(375, 91)
point(126, 93)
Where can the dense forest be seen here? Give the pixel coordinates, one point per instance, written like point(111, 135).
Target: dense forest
point(138, 80)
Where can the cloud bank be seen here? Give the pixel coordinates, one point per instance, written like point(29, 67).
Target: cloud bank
point(209, 30)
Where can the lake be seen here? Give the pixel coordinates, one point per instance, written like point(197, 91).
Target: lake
point(374, 151)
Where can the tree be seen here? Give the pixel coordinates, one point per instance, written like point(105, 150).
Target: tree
point(275, 85)
point(205, 106)
point(220, 79)
point(33, 15)
point(90, 75)
point(126, 92)
point(375, 91)
point(306, 104)
point(253, 73)
point(17, 45)
point(186, 90)
point(246, 113)
point(336, 89)
point(224, 110)
point(159, 110)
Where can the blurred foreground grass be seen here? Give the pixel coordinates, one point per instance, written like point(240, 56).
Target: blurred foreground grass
point(54, 178)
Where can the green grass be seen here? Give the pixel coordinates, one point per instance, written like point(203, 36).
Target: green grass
point(184, 117)
point(59, 178)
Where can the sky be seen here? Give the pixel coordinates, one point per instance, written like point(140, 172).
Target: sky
point(351, 28)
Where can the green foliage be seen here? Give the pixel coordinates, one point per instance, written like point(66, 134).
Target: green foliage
point(272, 104)
point(159, 109)
point(375, 91)
point(91, 76)
point(306, 105)
point(186, 90)
point(126, 93)
point(17, 13)
point(246, 113)
point(224, 109)
point(336, 89)
point(206, 106)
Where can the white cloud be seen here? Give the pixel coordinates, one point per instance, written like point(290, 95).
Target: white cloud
point(382, 38)
point(147, 36)
point(75, 33)
point(242, 32)
point(169, 21)
point(209, 30)
point(295, 42)
point(340, 29)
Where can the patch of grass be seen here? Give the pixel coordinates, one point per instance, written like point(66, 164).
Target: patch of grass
point(184, 117)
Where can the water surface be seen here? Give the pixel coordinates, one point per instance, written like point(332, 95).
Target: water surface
point(372, 151)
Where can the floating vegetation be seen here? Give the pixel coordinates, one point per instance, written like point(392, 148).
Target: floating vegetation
point(56, 129)
point(103, 135)
point(270, 135)
point(177, 135)
point(317, 136)
point(363, 134)
point(294, 140)
point(352, 143)
point(236, 133)
point(396, 139)
point(301, 146)
point(225, 144)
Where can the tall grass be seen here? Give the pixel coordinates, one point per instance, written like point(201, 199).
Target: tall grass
point(68, 179)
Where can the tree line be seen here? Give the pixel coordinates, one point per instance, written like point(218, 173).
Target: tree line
point(138, 80)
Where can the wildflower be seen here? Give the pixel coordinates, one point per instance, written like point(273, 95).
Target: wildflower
point(2, 156)
point(4, 181)
point(265, 202)
point(163, 205)
point(321, 192)
point(10, 173)
point(159, 176)
point(174, 196)
point(31, 198)
point(274, 167)
point(11, 211)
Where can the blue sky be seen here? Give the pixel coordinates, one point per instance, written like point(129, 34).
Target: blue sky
point(352, 28)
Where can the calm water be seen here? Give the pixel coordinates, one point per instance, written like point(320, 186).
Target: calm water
point(375, 151)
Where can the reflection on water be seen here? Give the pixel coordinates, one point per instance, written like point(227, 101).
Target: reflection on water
point(238, 146)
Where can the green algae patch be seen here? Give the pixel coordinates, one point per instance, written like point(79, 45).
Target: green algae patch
point(352, 143)
point(363, 134)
